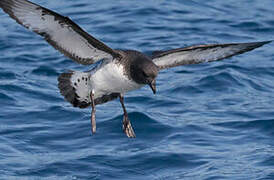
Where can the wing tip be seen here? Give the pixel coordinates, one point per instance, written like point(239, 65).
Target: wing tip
point(266, 42)
point(254, 45)
point(261, 43)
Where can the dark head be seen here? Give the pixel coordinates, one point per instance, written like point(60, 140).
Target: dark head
point(143, 70)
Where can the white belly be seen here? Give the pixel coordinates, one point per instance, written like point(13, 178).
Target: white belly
point(111, 79)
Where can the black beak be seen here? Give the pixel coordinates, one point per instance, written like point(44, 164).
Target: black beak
point(152, 85)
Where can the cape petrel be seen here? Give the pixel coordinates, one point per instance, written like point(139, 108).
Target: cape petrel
point(120, 71)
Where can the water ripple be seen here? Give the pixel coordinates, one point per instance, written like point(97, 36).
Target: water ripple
point(207, 121)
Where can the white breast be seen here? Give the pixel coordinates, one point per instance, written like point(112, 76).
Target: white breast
point(110, 78)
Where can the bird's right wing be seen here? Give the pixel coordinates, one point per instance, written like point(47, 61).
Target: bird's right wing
point(202, 53)
point(59, 31)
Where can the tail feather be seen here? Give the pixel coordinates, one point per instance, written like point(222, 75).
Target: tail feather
point(75, 88)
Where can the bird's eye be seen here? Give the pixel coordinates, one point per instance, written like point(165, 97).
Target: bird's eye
point(145, 75)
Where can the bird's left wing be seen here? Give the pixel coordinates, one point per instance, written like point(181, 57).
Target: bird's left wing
point(202, 53)
point(59, 31)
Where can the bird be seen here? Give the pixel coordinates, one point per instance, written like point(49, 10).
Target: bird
point(116, 71)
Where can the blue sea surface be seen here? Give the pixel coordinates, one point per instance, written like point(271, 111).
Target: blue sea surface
point(207, 121)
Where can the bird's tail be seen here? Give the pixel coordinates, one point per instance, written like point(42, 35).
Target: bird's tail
point(74, 86)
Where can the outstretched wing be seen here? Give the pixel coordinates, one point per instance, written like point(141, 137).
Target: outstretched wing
point(202, 53)
point(59, 31)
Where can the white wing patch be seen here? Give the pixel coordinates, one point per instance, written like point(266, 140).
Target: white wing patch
point(59, 31)
point(202, 53)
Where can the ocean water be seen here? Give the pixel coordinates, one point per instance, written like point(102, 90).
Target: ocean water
point(207, 121)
